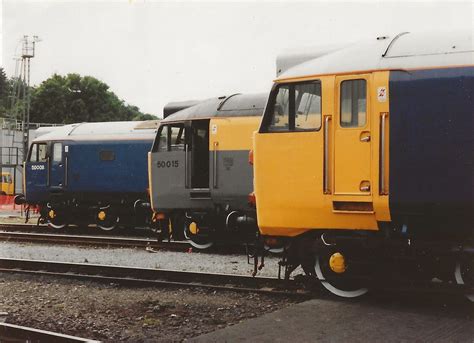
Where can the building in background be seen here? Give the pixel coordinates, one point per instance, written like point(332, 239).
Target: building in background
point(12, 151)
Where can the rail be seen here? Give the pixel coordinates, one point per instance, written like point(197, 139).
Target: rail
point(17, 333)
point(37, 234)
point(152, 277)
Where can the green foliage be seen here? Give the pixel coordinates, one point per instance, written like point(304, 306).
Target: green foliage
point(144, 116)
point(67, 99)
point(11, 94)
point(73, 98)
point(4, 88)
point(3, 84)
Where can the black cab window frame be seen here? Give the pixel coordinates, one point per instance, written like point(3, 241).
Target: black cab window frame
point(265, 127)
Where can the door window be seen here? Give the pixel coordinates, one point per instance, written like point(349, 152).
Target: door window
point(353, 103)
point(57, 152)
point(200, 154)
point(308, 101)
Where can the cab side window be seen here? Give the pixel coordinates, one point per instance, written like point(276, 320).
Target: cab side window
point(176, 135)
point(42, 152)
point(170, 138)
point(38, 152)
point(34, 153)
point(281, 114)
point(353, 103)
point(296, 107)
point(308, 114)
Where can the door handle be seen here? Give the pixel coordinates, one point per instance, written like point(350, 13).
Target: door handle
point(364, 136)
point(364, 186)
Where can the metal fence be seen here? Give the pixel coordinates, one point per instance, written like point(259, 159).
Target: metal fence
point(17, 125)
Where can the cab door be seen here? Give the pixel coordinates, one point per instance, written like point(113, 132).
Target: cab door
point(167, 167)
point(352, 138)
point(36, 173)
point(57, 169)
point(197, 167)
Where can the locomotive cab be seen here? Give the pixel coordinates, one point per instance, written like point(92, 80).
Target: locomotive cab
point(198, 170)
point(90, 173)
point(363, 162)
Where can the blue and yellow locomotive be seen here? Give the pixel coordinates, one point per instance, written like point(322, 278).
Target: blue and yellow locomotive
point(90, 173)
point(363, 162)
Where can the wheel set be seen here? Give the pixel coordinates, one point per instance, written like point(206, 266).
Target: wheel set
point(57, 218)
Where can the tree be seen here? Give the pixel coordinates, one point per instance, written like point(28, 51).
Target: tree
point(11, 96)
point(144, 116)
point(4, 91)
point(73, 98)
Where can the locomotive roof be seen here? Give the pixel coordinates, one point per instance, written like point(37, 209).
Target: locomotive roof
point(403, 51)
point(118, 130)
point(236, 105)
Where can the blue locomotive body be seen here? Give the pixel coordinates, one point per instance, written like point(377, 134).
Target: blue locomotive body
point(90, 173)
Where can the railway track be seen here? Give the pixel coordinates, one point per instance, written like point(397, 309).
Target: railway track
point(182, 246)
point(22, 226)
point(41, 228)
point(16, 333)
point(151, 277)
point(87, 240)
point(41, 234)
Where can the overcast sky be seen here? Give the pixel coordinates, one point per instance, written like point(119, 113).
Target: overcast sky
point(152, 52)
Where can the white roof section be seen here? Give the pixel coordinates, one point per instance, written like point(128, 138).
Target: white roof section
point(41, 131)
point(403, 51)
point(120, 130)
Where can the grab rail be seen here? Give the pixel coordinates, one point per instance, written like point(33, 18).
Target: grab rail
point(383, 119)
point(186, 154)
point(326, 187)
point(65, 171)
point(214, 166)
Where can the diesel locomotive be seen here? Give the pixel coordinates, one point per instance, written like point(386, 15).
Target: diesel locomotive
point(199, 174)
point(363, 162)
point(90, 173)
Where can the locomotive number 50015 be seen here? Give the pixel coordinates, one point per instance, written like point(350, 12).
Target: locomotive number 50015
point(168, 164)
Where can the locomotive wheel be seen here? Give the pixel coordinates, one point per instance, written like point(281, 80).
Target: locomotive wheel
point(55, 220)
point(196, 240)
point(332, 270)
point(106, 220)
point(464, 275)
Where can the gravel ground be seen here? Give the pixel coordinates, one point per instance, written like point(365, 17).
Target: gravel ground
point(200, 262)
point(114, 313)
point(14, 217)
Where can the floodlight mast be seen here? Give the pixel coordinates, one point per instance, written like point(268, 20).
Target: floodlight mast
point(28, 52)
